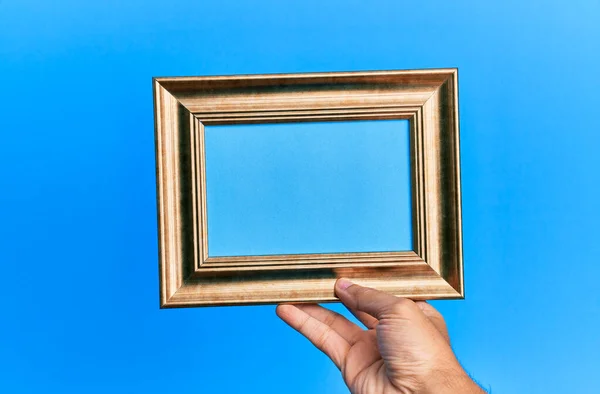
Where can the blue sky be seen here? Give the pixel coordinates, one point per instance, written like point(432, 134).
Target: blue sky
point(78, 242)
point(320, 187)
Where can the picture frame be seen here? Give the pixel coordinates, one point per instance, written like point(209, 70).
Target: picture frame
point(428, 99)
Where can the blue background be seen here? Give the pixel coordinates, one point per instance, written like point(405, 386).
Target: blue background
point(317, 187)
point(78, 243)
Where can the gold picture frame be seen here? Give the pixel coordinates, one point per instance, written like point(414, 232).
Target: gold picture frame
point(184, 105)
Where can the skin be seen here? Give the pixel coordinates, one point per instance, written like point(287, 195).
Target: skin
point(405, 348)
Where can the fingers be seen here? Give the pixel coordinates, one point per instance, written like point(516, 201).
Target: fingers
point(345, 328)
point(435, 318)
point(364, 299)
point(320, 334)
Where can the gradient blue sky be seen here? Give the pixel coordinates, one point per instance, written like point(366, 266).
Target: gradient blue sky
point(78, 243)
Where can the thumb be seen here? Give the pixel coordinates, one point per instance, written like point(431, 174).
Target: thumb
point(364, 299)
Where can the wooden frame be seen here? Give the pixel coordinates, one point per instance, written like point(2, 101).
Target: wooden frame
point(183, 105)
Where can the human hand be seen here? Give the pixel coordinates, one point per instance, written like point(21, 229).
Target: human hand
point(405, 349)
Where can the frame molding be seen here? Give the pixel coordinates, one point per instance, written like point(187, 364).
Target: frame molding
point(184, 105)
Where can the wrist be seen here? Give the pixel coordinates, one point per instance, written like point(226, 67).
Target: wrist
point(451, 381)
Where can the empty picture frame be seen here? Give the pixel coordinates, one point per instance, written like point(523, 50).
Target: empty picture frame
point(183, 106)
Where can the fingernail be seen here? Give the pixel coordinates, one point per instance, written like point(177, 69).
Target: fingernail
point(343, 283)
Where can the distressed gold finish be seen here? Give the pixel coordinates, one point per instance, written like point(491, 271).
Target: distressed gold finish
point(184, 105)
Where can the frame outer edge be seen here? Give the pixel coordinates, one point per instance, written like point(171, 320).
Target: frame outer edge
point(168, 193)
point(459, 215)
point(442, 174)
point(156, 93)
point(179, 291)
